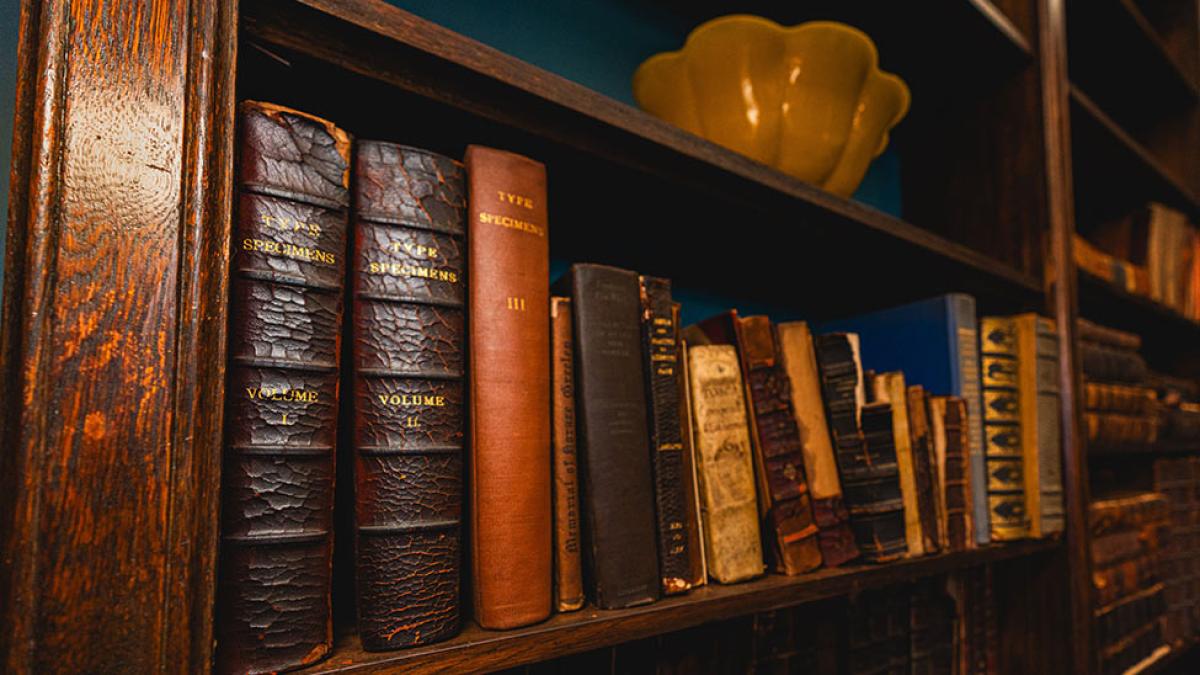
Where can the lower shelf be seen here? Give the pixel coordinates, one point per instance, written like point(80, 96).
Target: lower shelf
point(476, 649)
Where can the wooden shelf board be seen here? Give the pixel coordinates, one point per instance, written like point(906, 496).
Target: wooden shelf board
point(476, 649)
point(1159, 48)
point(1134, 312)
point(1095, 126)
point(382, 42)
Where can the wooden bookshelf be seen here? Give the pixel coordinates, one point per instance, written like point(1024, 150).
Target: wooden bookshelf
point(113, 339)
point(1134, 119)
point(476, 649)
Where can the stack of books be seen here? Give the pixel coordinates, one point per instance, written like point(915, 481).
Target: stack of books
point(1130, 604)
point(1122, 410)
point(393, 306)
point(1178, 479)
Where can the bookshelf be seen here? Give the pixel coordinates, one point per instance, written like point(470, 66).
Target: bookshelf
point(1134, 120)
point(98, 259)
point(566, 634)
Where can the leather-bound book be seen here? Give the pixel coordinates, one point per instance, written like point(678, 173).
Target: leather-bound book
point(1037, 356)
point(273, 607)
point(820, 466)
point(929, 497)
point(950, 430)
point(878, 633)
point(660, 339)
point(931, 617)
point(733, 548)
point(785, 506)
point(891, 388)
point(693, 520)
point(508, 345)
point(620, 548)
point(867, 465)
point(568, 566)
point(1002, 431)
point(408, 293)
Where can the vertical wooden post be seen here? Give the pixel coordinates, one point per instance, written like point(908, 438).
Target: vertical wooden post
point(113, 335)
point(1052, 40)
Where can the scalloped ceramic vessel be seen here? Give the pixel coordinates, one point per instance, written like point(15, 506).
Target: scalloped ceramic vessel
point(808, 100)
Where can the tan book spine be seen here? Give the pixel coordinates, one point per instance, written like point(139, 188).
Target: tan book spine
point(935, 407)
point(820, 465)
point(726, 470)
point(1027, 392)
point(568, 573)
point(891, 388)
point(930, 501)
point(509, 340)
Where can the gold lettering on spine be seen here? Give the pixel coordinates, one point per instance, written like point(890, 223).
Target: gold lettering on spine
point(511, 223)
point(413, 400)
point(287, 250)
point(273, 394)
point(396, 269)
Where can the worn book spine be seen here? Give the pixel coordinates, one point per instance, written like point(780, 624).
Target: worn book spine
point(869, 475)
point(568, 565)
point(935, 409)
point(660, 339)
point(966, 349)
point(697, 566)
point(273, 607)
point(931, 620)
point(820, 466)
point(784, 504)
point(891, 388)
point(1037, 346)
point(950, 412)
point(1115, 432)
point(406, 334)
point(509, 389)
point(1002, 429)
point(620, 547)
point(878, 633)
point(929, 497)
point(1105, 363)
point(1120, 398)
point(725, 467)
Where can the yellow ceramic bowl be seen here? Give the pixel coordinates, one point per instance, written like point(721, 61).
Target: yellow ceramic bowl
point(808, 100)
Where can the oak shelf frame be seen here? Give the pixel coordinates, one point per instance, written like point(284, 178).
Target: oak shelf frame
point(476, 649)
point(444, 66)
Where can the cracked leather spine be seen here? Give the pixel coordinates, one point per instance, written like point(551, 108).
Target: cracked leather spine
point(406, 333)
point(289, 245)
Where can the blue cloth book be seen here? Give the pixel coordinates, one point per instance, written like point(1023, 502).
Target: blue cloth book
point(936, 343)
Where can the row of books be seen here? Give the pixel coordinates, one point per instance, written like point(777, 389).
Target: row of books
point(1178, 479)
point(1153, 252)
point(583, 431)
point(1130, 604)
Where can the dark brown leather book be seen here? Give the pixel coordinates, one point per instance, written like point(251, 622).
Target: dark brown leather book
point(1104, 363)
point(509, 339)
point(865, 451)
point(784, 504)
point(924, 463)
point(1118, 398)
point(406, 336)
point(660, 339)
point(949, 417)
point(878, 632)
point(568, 566)
point(620, 549)
point(273, 607)
point(931, 617)
point(697, 565)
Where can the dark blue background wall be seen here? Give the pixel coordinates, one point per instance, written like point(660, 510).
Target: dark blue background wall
point(598, 43)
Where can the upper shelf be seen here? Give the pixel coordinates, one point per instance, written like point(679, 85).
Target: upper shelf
point(745, 226)
point(478, 650)
point(1114, 172)
point(1117, 56)
point(1166, 334)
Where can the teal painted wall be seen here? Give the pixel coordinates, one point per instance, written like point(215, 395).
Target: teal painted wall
point(10, 12)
